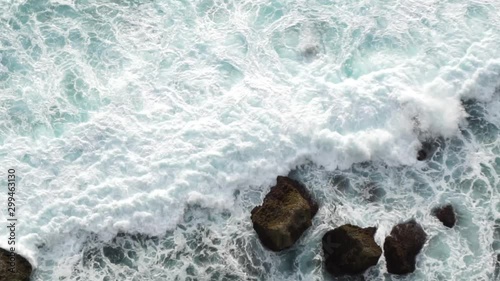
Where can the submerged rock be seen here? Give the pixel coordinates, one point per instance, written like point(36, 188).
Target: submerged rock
point(428, 149)
point(350, 249)
point(14, 267)
point(497, 268)
point(285, 214)
point(311, 52)
point(402, 247)
point(446, 215)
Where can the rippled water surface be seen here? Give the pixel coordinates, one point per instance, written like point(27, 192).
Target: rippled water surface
point(144, 132)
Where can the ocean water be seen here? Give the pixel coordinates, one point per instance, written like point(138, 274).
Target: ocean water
point(144, 132)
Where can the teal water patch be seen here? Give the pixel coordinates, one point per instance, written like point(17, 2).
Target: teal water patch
point(195, 250)
point(485, 131)
point(231, 74)
point(78, 92)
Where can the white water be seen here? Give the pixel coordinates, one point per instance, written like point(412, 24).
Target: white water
point(134, 116)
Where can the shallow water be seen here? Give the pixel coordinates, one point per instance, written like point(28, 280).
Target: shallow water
point(168, 121)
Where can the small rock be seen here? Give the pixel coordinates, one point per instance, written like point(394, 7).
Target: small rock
point(310, 52)
point(285, 214)
point(402, 247)
point(421, 155)
point(446, 215)
point(350, 250)
point(22, 267)
point(429, 148)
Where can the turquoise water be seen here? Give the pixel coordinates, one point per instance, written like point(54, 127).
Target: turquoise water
point(144, 132)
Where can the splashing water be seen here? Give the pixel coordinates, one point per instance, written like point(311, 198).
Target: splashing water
point(144, 132)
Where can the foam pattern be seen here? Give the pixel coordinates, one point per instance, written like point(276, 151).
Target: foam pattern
point(143, 132)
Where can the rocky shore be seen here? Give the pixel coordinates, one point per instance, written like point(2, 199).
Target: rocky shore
point(287, 212)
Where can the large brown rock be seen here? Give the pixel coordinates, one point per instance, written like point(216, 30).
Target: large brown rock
point(446, 215)
point(285, 214)
point(14, 267)
point(402, 247)
point(350, 249)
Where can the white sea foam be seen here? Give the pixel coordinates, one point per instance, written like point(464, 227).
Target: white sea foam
point(134, 116)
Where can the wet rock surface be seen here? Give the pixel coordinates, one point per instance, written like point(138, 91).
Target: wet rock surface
point(429, 148)
point(446, 215)
point(350, 250)
point(285, 214)
point(402, 246)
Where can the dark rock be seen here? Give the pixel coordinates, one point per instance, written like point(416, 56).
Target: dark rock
point(421, 155)
point(350, 250)
point(22, 269)
point(310, 52)
point(115, 255)
point(429, 148)
point(285, 214)
point(402, 247)
point(497, 268)
point(446, 215)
